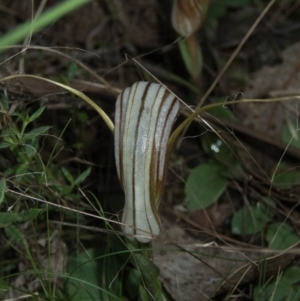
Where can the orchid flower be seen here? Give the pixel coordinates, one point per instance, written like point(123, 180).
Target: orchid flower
point(145, 114)
point(188, 15)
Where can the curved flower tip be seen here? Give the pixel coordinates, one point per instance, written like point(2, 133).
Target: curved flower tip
point(188, 15)
point(144, 117)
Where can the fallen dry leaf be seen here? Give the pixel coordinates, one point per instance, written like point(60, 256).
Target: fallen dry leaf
point(270, 118)
point(212, 217)
point(191, 269)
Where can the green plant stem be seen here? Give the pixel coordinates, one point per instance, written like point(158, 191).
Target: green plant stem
point(142, 255)
point(45, 19)
point(81, 95)
point(146, 250)
point(38, 274)
point(201, 110)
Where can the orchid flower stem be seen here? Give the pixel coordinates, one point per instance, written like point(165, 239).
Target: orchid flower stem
point(142, 259)
point(79, 94)
point(206, 108)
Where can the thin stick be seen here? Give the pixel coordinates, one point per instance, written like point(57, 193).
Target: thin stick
point(235, 53)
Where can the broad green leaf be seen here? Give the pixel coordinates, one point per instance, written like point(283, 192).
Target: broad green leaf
point(204, 186)
point(143, 293)
point(68, 175)
point(289, 133)
point(222, 112)
point(281, 236)
point(292, 275)
point(192, 58)
point(5, 132)
point(29, 214)
point(285, 287)
point(72, 70)
point(286, 177)
point(10, 171)
point(149, 271)
point(212, 144)
point(132, 283)
point(64, 190)
point(82, 116)
point(7, 219)
point(272, 291)
point(82, 176)
point(15, 235)
point(250, 220)
point(2, 190)
point(36, 132)
point(36, 114)
point(3, 288)
point(3, 285)
point(21, 169)
point(31, 149)
point(150, 279)
point(16, 132)
point(5, 144)
point(223, 154)
point(84, 273)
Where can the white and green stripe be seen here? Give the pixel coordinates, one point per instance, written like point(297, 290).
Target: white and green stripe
point(144, 117)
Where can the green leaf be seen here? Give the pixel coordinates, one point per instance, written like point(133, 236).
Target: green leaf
point(132, 283)
point(82, 176)
point(150, 279)
point(5, 144)
point(15, 235)
point(64, 190)
point(83, 284)
point(292, 275)
point(291, 132)
point(143, 293)
point(285, 287)
point(36, 114)
point(21, 169)
point(204, 186)
point(223, 155)
point(149, 271)
point(222, 112)
point(36, 132)
point(192, 58)
point(281, 236)
point(272, 292)
point(286, 177)
point(31, 148)
point(82, 116)
point(250, 220)
point(14, 131)
point(29, 214)
point(7, 219)
point(68, 175)
point(3, 285)
point(2, 190)
point(72, 70)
